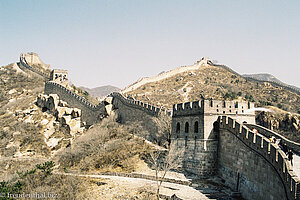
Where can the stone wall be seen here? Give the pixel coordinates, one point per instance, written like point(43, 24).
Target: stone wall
point(253, 165)
point(90, 113)
point(129, 110)
point(211, 109)
point(138, 105)
point(268, 133)
point(25, 66)
point(193, 131)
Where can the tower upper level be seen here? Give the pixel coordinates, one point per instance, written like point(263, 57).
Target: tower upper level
point(59, 76)
point(213, 107)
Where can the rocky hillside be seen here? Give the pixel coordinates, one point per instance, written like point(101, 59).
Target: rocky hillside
point(25, 129)
point(203, 79)
point(280, 121)
point(267, 77)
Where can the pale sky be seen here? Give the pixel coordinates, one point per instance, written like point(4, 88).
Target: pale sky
point(117, 42)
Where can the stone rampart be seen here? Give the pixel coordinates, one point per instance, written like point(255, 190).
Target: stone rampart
point(209, 107)
point(132, 103)
point(24, 65)
point(139, 113)
point(268, 133)
point(253, 165)
point(90, 113)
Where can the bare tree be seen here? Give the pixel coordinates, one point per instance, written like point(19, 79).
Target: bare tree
point(163, 122)
point(163, 162)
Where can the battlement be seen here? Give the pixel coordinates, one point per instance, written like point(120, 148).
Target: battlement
point(148, 108)
point(24, 64)
point(52, 87)
point(216, 107)
point(266, 149)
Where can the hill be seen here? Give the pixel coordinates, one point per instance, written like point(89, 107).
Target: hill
point(205, 79)
point(268, 77)
point(101, 91)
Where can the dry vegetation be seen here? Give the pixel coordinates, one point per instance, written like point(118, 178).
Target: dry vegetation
point(18, 92)
point(108, 146)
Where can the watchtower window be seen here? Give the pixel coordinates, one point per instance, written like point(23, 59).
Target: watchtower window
point(178, 128)
point(248, 105)
point(186, 127)
point(196, 127)
point(211, 103)
point(224, 104)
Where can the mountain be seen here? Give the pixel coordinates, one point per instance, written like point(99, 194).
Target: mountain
point(268, 77)
point(101, 91)
point(263, 77)
point(209, 80)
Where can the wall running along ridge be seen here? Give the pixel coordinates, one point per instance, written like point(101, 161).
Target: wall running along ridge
point(90, 113)
point(132, 103)
point(253, 165)
point(129, 110)
point(24, 65)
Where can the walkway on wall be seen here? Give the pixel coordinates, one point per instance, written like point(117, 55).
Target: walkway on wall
point(296, 166)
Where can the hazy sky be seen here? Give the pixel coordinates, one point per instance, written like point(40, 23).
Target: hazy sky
point(118, 42)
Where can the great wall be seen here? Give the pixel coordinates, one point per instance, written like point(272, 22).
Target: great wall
point(254, 164)
point(216, 136)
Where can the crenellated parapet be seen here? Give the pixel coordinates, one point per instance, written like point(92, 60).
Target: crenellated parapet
point(267, 150)
point(51, 86)
point(130, 102)
point(213, 107)
point(24, 63)
point(90, 112)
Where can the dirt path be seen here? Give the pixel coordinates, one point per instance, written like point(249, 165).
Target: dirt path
point(168, 189)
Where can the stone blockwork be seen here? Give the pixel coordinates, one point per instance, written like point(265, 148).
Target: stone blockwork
point(138, 105)
point(253, 165)
point(194, 130)
point(129, 110)
point(90, 113)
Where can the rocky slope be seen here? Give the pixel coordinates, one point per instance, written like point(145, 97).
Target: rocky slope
point(285, 123)
point(203, 79)
point(267, 77)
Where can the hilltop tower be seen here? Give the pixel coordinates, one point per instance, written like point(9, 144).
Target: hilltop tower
point(60, 76)
point(194, 128)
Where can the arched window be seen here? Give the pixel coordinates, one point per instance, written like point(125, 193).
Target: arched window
point(186, 127)
point(196, 127)
point(178, 128)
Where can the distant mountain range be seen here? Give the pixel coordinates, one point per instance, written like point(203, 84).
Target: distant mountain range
point(268, 77)
point(101, 91)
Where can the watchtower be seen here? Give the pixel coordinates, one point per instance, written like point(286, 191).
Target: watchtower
point(194, 128)
point(59, 76)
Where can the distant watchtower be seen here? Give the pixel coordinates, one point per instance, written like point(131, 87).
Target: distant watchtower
point(194, 129)
point(60, 76)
